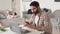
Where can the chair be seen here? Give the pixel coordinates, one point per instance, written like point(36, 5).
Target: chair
point(55, 16)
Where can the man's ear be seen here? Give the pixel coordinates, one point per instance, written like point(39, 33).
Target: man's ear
point(37, 7)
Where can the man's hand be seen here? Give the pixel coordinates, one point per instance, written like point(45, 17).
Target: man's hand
point(34, 26)
point(39, 28)
point(27, 23)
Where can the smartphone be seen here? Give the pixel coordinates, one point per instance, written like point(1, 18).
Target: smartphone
point(27, 22)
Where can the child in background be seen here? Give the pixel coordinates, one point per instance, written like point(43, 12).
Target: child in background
point(11, 15)
point(14, 14)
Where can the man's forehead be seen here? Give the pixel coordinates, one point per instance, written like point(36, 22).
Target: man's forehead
point(33, 7)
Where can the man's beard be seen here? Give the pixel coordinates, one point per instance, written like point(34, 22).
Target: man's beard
point(35, 12)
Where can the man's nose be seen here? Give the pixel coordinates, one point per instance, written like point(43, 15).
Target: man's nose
point(32, 10)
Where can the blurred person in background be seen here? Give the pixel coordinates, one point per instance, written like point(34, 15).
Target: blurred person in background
point(11, 15)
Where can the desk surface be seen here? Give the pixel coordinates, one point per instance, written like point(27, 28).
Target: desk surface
point(8, 31)
point(33, 31)
point(17, 20)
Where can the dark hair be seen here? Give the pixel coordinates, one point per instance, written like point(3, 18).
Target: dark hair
point(15, 13)
point(34, 3)
point(10, 12)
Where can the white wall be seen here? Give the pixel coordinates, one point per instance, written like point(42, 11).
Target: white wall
point(17, 7)
point(49, 4)
point(5, 4)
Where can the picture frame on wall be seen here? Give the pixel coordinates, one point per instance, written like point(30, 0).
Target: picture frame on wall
point(57, 0)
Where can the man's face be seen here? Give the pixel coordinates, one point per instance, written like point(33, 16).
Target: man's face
point(33, 9)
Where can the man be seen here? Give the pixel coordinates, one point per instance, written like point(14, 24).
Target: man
point(39, 19)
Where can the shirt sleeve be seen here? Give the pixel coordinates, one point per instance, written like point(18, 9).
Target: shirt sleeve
point(46, 20)
point(47, 23)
